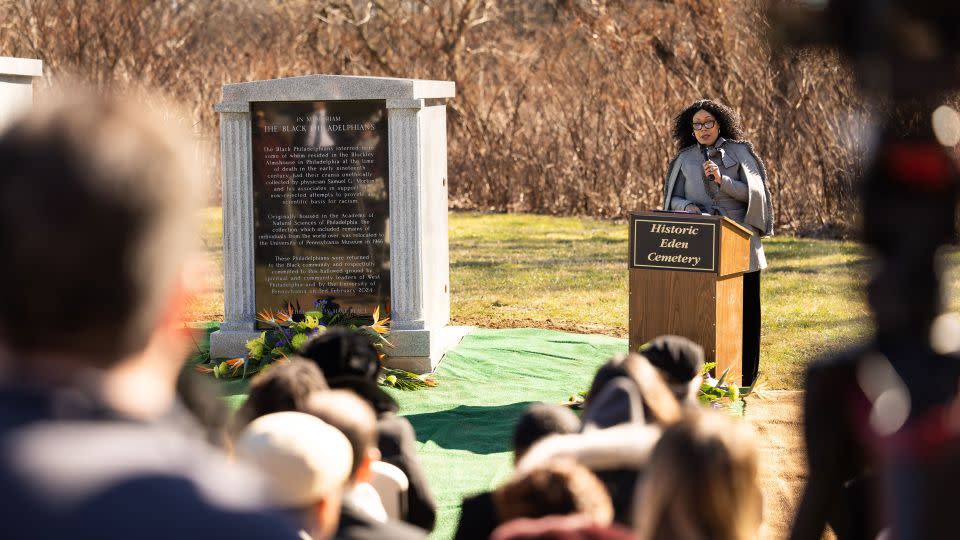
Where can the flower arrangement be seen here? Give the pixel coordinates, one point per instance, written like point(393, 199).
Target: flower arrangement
point(291, 327)
point(718, 395)
point(713, 392)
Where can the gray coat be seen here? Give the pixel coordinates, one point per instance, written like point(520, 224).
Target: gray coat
point(741, 196)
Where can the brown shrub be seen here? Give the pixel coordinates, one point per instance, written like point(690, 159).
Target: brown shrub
point(562, 107)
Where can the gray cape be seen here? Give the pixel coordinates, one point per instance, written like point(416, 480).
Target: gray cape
point(759, 208)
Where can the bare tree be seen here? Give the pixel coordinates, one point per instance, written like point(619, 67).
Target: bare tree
point(562, 106)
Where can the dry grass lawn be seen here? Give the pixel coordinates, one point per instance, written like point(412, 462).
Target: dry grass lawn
point(564, 273)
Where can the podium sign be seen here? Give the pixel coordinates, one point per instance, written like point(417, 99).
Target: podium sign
point(672, 244)
point(686, 278)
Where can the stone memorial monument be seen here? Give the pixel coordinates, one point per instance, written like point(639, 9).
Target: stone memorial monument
point(16, 86)
point(335, 192)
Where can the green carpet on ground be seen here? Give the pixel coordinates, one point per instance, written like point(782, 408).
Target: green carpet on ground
point(464, 426)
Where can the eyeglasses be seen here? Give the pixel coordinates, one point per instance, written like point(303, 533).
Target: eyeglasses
point(706, 125)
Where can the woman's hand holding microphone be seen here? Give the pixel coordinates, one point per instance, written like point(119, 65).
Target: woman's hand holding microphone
point(712, 171)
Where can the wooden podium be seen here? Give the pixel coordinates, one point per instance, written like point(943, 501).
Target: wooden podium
point(686, 278)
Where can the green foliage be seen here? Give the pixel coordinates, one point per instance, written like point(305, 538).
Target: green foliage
point(257, 346)
point(289, 329)
point(297, 342)
point(719, 395)
point(405, 380)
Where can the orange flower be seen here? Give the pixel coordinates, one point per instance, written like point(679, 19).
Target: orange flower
point(202, 369)
point(236, 362)
point(266, 315)
point(379, 325)
point(284, 316)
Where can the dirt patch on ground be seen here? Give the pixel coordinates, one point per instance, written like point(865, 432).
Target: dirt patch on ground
point(545, 324)
point(778, 422)
point(210, 308)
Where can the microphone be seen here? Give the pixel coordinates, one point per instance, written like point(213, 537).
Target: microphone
point(706, 158)
point(708, 183)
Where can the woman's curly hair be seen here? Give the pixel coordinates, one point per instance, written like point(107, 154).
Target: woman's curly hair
point(728, 119)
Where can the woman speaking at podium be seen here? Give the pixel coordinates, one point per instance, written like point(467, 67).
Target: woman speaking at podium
point(715, 172)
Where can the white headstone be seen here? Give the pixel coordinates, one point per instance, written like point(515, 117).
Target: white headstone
point(416, 161)
point(16, 86)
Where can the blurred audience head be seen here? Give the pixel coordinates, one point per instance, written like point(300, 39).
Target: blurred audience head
point(349, 360)
point(574, 527)
point(702, 483)
point(341, 352)
point(612, 369)
point(201, 397)
point(540, 420)
point(282, 387)
point(98, 200)
point(617, 455)
point(556, 487)
point(680, 362)
point(628, 389)
point(354, 418)
point(307, 462)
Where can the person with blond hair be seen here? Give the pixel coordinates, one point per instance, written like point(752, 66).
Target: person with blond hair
point(701, 483)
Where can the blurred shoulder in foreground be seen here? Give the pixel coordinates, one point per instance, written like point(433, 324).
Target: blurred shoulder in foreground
point(97, 208)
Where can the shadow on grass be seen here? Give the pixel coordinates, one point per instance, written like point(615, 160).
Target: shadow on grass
point(476, 429)
point(536, 243)
point(537, 263)
point(800, 249)
point(860, 265)
point(820, 324)
point(865, 319)
point(476, 264)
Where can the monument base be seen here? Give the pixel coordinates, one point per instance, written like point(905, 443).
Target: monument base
point(420, 351)
point(417, 351)
point(231, 343)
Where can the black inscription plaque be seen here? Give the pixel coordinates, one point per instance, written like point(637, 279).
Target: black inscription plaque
point(672, 244)
point(321, 206)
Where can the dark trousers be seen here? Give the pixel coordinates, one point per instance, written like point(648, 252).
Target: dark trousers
point(751, 327)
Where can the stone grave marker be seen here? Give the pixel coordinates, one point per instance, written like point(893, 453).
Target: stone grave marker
point(335, 191)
